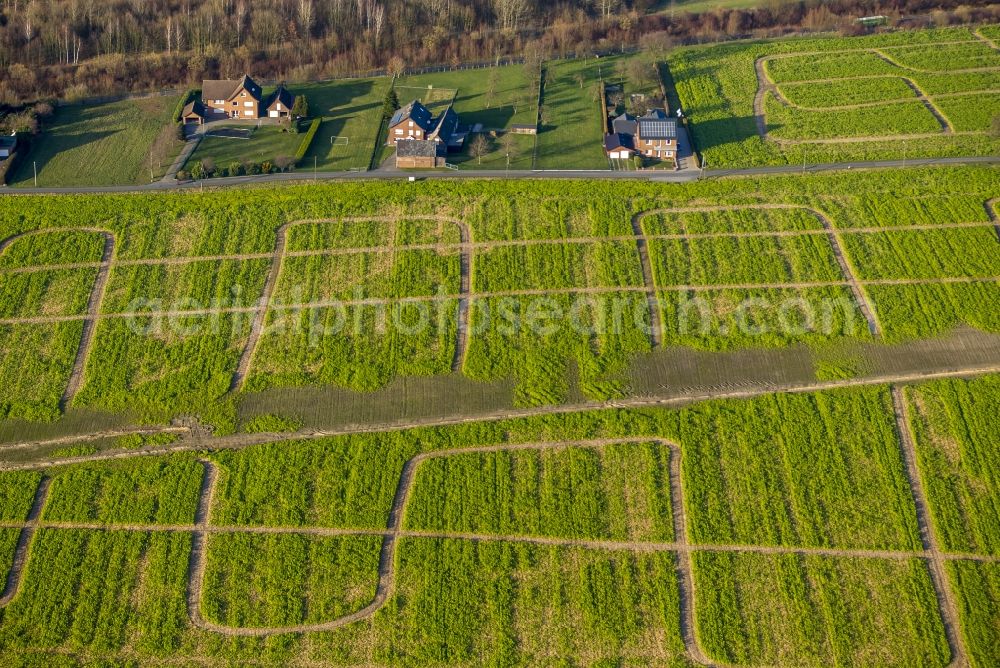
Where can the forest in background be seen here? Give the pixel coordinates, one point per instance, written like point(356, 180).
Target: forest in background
point(74, 49)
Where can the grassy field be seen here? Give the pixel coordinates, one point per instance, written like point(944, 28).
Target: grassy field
point(267, 143)
point(105, 144)
point(351, 112)
point(955, 427)
point(559, 300)
point(717, 86)
point(572, 133)
point(511, 555)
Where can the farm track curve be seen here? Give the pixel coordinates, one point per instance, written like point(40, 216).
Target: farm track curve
point(991, 211)
point(24, 541)
point(277, 262)
point(765, 85)
point(680, 546)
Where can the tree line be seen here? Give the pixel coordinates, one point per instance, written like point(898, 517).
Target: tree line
point(72, 49)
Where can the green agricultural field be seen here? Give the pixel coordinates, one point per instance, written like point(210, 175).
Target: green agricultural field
point(135, 492)
point(756, 483)
point(282, 580)
point(560, 306)
point(978, 589)
point(565, 492)
point(956, 429)
point(811, 610)
point(718, 85)
point(102, 144)
point(521, 555)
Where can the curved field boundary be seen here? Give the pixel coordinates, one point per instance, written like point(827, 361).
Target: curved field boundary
point(473, 246)
point(277, 262)
point(983, 38)
point(93, 302)
point(860, 296)
point(766, 85)
point(394, 531)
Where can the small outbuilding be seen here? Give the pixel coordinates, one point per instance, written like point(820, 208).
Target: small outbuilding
point(195, 113)
point(8, 144)
point(420, 154)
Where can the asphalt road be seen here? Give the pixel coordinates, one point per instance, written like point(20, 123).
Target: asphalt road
point(683, 176)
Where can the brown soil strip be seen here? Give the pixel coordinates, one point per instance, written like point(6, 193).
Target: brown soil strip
point(939, 576)
point(241, 441)
point(642, 244)
point(24, 543)
point(83, 438)
point(991, 211)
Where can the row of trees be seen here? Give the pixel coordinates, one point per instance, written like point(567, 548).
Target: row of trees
point(76, 48)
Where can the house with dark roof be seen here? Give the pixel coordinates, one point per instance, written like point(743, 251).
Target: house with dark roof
point(414, 123)
point(653, 135)
point(231, 98)
point(279, 103)
point(195, 112)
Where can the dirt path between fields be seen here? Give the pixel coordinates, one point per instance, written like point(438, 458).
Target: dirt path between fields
point(277, 261)
point(935, 558)
point(642, 245)
point(991, 211)
point(983, 38)
point(24, 542)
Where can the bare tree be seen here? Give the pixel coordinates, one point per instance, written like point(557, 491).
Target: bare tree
point(479, 147)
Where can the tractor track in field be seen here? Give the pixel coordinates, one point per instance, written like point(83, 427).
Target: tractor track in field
point(94, 302)
point(394, 531)
point(642, 247)
point(935, 558)
point(444, 247)
point(983, 38)
point(991, 211)
point(528, 292)
point(279, 254)
point(24, 541)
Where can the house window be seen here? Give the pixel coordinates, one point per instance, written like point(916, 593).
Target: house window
point(670, 154)
point(399, 132)
point(411, 124)
point(418, 133)
point(278, 107)
point(243, 94)
point(220, 101)
point(248, 104)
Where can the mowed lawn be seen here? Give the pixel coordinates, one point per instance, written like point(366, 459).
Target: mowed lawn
point(351, 109)
point(106, 144)
point(512, 101)
point(572, 134)
point(267, 143)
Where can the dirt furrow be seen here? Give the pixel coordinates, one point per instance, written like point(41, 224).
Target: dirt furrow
point(24, 543)
point(860, 295)
point(946, 127)
point(90, 324)
point(991, 212)
point(939, 576)
point(655, 324)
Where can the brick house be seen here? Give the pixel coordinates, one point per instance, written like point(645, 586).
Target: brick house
point(653, 135)
point(231, 98)
point(419, 137)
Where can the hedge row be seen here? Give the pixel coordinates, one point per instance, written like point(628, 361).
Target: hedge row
point(307, 140)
